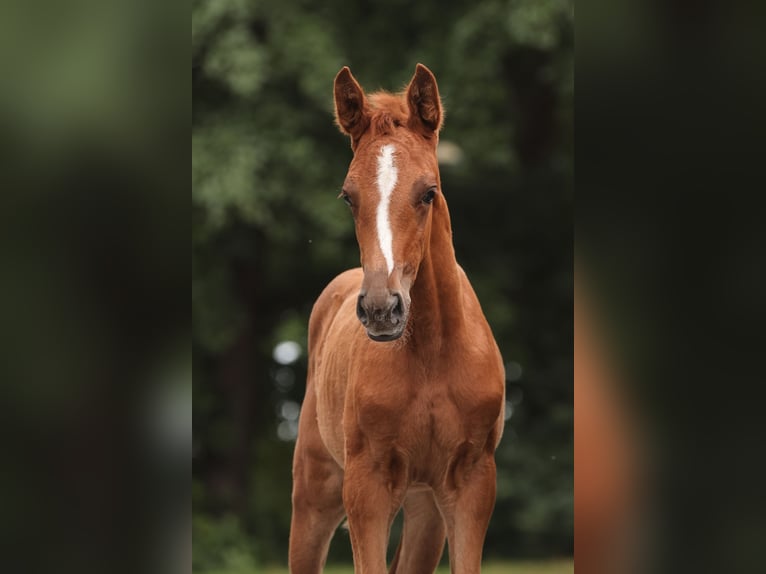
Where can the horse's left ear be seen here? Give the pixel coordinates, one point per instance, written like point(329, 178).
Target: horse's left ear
point(424, 102)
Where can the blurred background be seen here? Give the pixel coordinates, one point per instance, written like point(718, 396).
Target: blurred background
point(268, 234)
point(95, 361)
point(94, 356)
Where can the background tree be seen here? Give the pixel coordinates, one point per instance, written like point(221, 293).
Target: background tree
point(268, 234)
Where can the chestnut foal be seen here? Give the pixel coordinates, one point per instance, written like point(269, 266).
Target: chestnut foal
point(406, 387)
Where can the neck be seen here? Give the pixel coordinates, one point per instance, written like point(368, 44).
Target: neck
point(437, 309)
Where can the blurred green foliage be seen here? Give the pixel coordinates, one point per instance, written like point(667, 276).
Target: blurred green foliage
point(268, 234)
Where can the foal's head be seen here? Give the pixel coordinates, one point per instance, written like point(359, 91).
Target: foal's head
point(392, 188)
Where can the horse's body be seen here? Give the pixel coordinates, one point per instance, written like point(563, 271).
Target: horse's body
point(412, 421)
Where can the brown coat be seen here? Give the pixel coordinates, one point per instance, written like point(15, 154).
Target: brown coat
point(414, 421)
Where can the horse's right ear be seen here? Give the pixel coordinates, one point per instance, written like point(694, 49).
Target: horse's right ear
point(351, 112)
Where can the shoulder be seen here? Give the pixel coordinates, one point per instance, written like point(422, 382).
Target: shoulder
point(339, 290)
point(341, 287)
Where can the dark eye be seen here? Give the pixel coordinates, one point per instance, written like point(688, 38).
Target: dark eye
point(345, 197)
point(429, 196)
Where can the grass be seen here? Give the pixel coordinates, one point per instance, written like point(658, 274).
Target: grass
point(562, 566)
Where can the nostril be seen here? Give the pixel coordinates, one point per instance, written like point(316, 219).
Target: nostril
point(398, 311)
point(360, 312)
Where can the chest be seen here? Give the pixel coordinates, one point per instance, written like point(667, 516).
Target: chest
point(378, 398)
point(425, 412)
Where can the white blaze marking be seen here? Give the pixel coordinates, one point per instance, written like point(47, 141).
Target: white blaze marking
point(387, 175)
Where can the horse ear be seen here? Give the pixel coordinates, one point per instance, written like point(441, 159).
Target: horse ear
point(423, 100)
point(351, 112)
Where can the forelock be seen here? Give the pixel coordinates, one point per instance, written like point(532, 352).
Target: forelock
point(389, 111)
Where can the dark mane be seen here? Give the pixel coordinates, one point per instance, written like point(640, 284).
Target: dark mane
point(389, 111)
